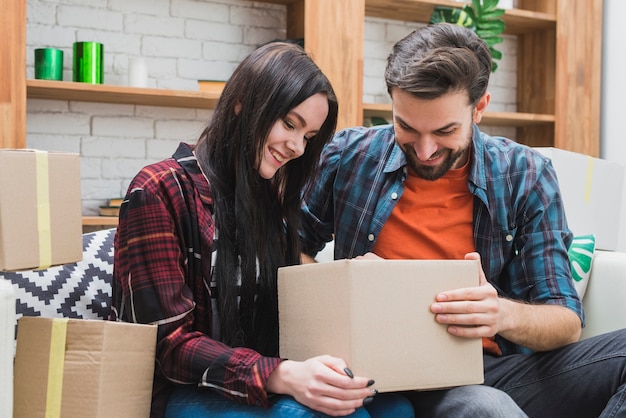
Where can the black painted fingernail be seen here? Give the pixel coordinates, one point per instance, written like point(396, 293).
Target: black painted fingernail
point(374, 392)
point(368, 400)
point(370, 383)
point(348, 373)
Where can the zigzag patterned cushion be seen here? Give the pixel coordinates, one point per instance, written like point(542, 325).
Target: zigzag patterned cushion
point(77, 290)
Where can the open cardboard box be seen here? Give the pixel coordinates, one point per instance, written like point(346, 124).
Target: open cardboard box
point(375, 314)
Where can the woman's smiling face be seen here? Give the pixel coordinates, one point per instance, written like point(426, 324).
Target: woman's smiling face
point(288, 137)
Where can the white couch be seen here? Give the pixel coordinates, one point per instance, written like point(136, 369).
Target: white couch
point(604, 300)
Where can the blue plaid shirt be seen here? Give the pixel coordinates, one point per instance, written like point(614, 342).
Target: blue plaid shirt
point(520, 228)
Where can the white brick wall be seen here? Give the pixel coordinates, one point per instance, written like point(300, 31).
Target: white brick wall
point(181, 41)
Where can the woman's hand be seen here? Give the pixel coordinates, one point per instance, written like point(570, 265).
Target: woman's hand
point(321, 384)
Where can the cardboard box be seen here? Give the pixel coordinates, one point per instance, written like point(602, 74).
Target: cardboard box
point(77, 368)
point(40, 209)
point(592, 191)
point(375, 314)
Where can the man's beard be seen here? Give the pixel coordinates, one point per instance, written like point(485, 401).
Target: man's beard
point(433, 172)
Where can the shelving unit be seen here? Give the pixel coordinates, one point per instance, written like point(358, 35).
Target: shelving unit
point(559, 62)
point(100, 220)
point(559, 67)
point(517, 21)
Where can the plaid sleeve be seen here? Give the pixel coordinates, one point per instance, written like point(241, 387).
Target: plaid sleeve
point(544, 242)
point(521, 230)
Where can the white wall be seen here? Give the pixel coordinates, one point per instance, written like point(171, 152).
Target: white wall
point(613, 101)
point(182, 41)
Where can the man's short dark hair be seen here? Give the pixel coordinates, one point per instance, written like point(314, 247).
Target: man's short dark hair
point(437, 59)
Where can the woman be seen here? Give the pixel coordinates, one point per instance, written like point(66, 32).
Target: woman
point(201, 236)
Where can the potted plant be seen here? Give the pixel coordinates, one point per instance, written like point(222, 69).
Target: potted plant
point(481, 16)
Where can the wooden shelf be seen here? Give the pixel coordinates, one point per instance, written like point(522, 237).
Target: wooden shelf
point(489, 119)
point(100, 220)
point(105, 93)
point(516, 119)
point(517, 21)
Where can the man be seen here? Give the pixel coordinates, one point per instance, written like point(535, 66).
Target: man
point(432, 186)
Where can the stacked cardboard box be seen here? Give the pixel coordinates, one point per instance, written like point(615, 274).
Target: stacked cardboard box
point(40, 209)
point(77, 368)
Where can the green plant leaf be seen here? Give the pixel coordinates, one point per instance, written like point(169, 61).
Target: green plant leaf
point(494, 39)
point(492, 26)
point(493, 14)
point(489, 4)
point(468, 9)
point(495, 53)
point(488, 34)
point(491, 40)
point(452, 15)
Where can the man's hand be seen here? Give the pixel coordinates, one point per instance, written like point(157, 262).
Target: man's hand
point(470, 312)
point(475, 312)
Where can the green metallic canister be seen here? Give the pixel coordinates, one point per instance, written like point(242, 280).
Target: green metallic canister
point(48, 64)
point(88, 62)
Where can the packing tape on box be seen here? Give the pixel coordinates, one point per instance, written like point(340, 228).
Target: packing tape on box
point(43, 209)
point(56, 365)
point(589, 179)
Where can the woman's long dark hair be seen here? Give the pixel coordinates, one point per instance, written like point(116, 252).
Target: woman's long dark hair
point(258, 219)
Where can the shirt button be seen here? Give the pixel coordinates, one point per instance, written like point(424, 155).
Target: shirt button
point(394, 195)
point(370, 237)
point(509, 238)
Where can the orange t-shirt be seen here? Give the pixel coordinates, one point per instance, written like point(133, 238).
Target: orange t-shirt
point(439, 227)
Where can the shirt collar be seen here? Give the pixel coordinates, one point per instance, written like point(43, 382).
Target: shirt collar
point(477, 173)
point(397, 159)
point(187, 160)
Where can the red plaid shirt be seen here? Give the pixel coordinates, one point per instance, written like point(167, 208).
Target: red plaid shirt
point(161, 275)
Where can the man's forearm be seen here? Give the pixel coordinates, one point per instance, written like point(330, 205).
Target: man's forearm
point(539, 327)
